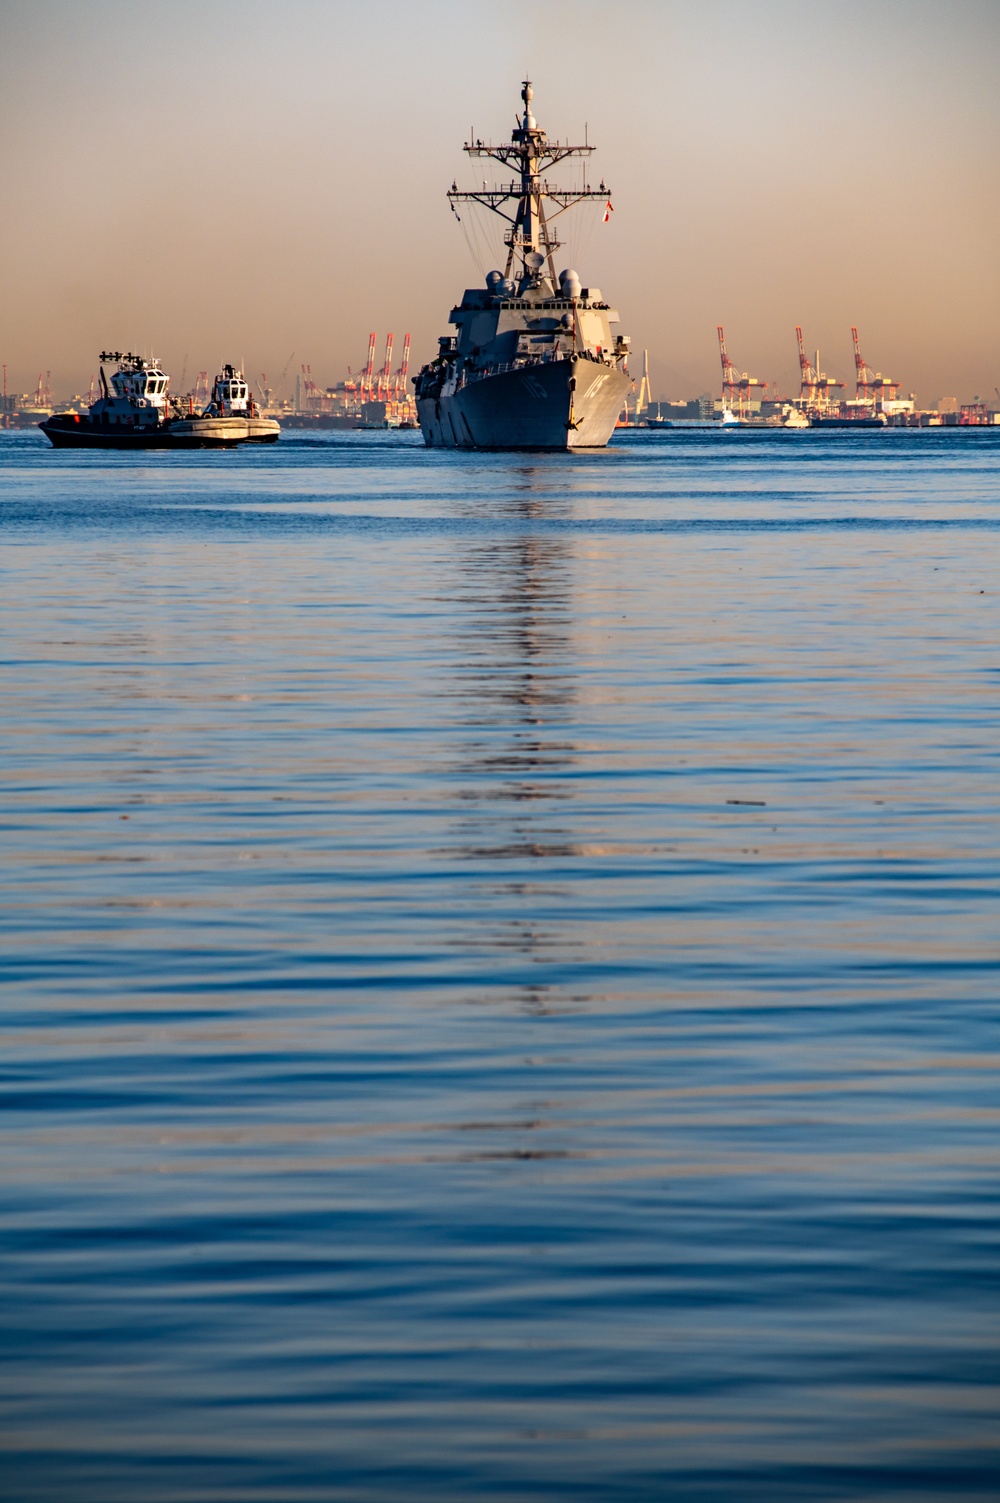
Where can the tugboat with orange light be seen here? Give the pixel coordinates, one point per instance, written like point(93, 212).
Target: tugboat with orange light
point(135, 412)
point(130, 413)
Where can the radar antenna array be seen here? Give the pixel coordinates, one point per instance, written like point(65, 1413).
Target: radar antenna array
point(530, 153)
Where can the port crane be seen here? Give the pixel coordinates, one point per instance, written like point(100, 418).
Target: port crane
point(736, 388)
point(312, 391)
point(368, 373)
point(871, 386)
point(816, 385)
point(385, 374)
point(399, 379)
point(384, 385)
point(360, 386)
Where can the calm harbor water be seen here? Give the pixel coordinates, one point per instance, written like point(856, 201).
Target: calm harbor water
point(501, 971)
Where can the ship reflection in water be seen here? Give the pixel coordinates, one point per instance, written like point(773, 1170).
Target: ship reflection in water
point(501, 969)
point(513, 690)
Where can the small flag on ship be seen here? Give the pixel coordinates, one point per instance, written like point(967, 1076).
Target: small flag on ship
point(609, 209)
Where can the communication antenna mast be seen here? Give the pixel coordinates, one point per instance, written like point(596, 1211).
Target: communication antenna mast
point(523, 202)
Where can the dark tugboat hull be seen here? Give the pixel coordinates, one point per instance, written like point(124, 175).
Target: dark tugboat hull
point(67, 431)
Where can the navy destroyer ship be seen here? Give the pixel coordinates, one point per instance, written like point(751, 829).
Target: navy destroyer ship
point(535, 363)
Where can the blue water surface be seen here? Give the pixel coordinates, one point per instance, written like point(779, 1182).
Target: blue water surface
point(500, 963)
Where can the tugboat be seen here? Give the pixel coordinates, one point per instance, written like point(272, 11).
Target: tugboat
point(534, 364)
point(231, 417)
point(130, 413)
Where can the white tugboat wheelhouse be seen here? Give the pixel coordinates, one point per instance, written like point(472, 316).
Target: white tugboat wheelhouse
point(138, 382)
point(232, 398)
point(230, 394)
point(534, 364)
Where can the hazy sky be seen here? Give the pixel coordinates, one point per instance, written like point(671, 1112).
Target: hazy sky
point(225, 180)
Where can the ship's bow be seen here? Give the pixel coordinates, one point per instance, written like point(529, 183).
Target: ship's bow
point(558, 404)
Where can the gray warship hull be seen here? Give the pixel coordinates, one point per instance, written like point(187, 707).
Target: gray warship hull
point(558, 404)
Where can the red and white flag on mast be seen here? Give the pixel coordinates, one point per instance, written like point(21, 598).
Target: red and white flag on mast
point(609, 209)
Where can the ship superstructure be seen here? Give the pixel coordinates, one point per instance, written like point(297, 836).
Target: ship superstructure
point(535, 363)
point(233, 399)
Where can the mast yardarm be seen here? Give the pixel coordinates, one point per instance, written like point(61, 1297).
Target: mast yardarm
point(531, 154)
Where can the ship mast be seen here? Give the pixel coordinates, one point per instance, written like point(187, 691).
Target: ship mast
point(530, 153)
